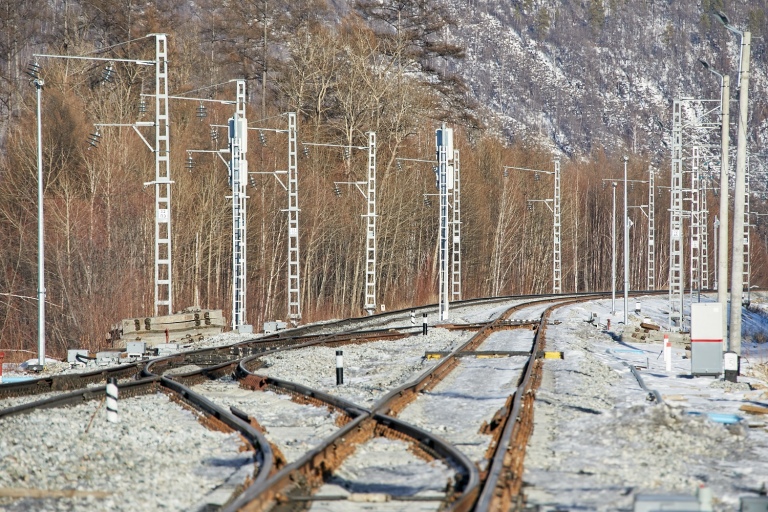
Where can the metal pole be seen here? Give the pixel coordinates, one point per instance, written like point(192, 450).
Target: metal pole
point(626, 248)
point(163, 255)
point(294, 299)
point(238, 149)
point(613, 253)
point(716, 226)
point(695, 227)
point(556, 261)
point(370, 233)
point(737, 268)
point(442, 157)
point(651, 231)
point(456, 223)
point(722, 254)
point(676, 285)
point(40, 236)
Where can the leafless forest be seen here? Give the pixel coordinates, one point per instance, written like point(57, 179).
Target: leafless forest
point(345, 71)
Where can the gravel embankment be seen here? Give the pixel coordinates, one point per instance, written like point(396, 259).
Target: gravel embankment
point(598, 441)
point(158, 457)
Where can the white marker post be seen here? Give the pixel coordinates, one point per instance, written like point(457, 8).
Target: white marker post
point(667, 353)
point(112, 400)
point(339, 367)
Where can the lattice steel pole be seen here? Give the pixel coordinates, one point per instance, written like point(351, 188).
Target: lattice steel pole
point(443, 136)
point(238, 168)
point(695, 224)
point(747, 266)
point(675, 315)
point(556, 242)
point(704, 237)
point(294, 283)
point(370, 232)
point(456, 224)
point(163, 251)
point(651, 275)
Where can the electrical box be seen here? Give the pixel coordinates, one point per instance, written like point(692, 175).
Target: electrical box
point(706, 338)
point(135, 348)
point(754, 504)
point(444, 137)
point(664, 502)
point(271, 327)
point(107, 357)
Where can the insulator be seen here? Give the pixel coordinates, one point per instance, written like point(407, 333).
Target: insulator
point(252, 181)
point(346, 153)
point(631, 187)
point(305, 150)
point(427, 201)
point(506, 173)
point(530, 207)
point(337, 190)
point(214, 134)
point(190, 162)
point(399, 165)
point(262, 138)
point(108, 73)
point(202, 113)
point(604, 185)
point(536, 177)
point(94, 138)
point(143, 105)
point(33, 70)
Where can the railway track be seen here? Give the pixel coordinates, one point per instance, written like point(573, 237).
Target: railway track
point(293, 487)
point(281, 483)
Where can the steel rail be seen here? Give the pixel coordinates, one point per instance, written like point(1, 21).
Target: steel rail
point(68, 382)
point(501, 488)
point(229, 355)
point(309, 472)
point(214, 417)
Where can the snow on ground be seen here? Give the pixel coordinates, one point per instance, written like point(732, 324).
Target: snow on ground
point(598, 441)
point(473, 392)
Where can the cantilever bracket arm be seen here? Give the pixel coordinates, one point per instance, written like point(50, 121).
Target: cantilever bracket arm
point(276, 175)
point(358, 185)
point(135, 127)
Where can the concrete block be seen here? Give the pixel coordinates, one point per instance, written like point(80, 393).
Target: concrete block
point(73, 353)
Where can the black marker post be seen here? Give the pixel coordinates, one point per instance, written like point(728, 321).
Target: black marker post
point(339, 367)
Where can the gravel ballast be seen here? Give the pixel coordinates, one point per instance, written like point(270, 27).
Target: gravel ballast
point(158, 457)
point(292, 427)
